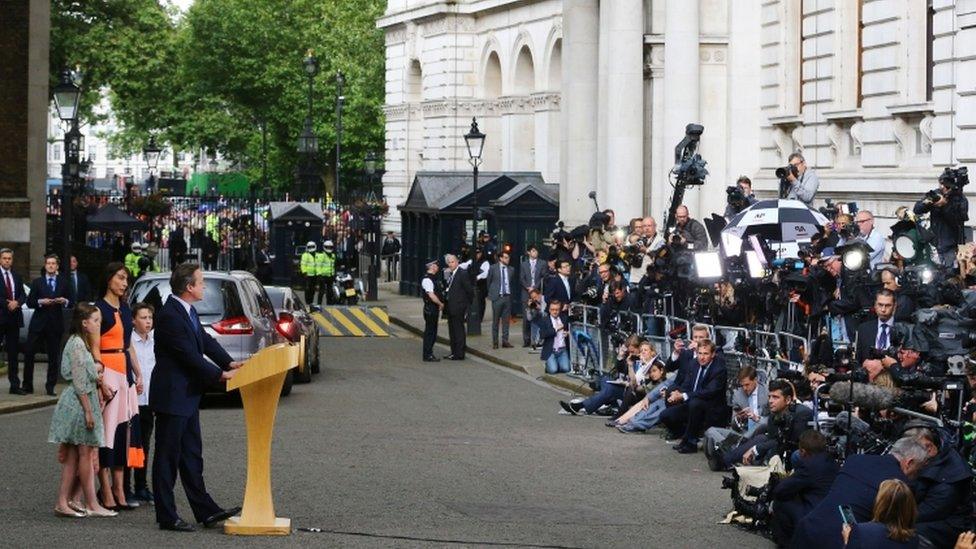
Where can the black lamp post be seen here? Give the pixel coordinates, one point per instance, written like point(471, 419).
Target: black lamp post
point(67, 96)
point(370, 164)
point(475, 141)
point(340, 100)
point(308, 143)
point(375, 219)
point(151, 154)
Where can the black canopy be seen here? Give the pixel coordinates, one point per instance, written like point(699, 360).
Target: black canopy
point(110, 218)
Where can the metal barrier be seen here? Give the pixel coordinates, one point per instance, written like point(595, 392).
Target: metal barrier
point(793, 351)
point(656, 329)
point(767, 352)
point(585, 336)
point(729, 337)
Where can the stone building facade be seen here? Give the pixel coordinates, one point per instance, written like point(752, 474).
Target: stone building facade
point(879, 95)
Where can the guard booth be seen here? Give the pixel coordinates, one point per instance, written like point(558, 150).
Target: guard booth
point(517, 207)
point(292, 225)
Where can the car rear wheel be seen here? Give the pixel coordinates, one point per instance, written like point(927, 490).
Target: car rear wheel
point(305, 375)
point(289, 381)
point(316, 361)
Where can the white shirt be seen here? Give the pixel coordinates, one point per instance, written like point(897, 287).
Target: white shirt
point(147, 361)
point(891, 326)
point(184, 304)
point(560, 341)
point(483, 273)
point(503, 272)
point(565, 280)
point(877, 242)
point(427, 285)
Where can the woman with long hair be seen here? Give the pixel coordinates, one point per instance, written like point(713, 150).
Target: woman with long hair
point(892, 523)
point(121, 386)
point(77, 420)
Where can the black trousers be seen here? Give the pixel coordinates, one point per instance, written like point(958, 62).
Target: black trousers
point(688, 418)
point(430, 333)
point(785, 516)
point(326, 294)
point(51, 339)
point(10, 335)
point(457, 332)
point(179, 449)
point(146, 422)
point(311, 284)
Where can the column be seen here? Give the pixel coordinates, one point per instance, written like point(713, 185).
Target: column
point(621, 184)
point(681, 81)
point(577, 173)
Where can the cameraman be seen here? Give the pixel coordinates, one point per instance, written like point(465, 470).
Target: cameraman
point(787, 420)
point(739, 197)
point(618, 301)
point(797, 494)
point(689, 234)
point(643, 243)
point(873, 237)
point(611, 385)
point(803, 182)
point(950, 211)
point(904, 304)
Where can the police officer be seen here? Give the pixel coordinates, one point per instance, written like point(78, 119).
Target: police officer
point(307, 267)
point(325, 262)
point(433, 294)
point(132, 259)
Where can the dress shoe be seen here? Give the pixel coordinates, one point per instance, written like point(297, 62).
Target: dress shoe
point(51, 393)
point(452, 357)
point(17, 391)
point(27, 390)
point(507, 345)
point(431, 359)
point(494, 345)
point(685, 448)
point(219, 517)
point(179, 526)
point(143, 494)
point(526, 344)
point(574, 408)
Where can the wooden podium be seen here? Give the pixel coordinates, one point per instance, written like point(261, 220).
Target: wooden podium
point(260, 380)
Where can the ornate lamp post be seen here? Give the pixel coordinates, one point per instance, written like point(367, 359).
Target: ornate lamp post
point(308, 143)
point(151, 154)
point(340, 101)
point(475, 141)
point(67, 96)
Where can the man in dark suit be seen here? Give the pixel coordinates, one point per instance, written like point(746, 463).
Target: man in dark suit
point(876, 333)
point(501, 282)
point(857, 485)
point(80, 286)
point(797, 494)
point(181, 376)
point(552, 326)
point(49, 296)
point(459, 293)
point(560, 287)
point(530, 278)
point(699, 401)
point(11, 317)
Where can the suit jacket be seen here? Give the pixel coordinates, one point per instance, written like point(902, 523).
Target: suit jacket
point(810, 481)
point(874, 535)
point(856, 485)
point(459, 293)
point(555, 289)
point(83, 292)
point(50, 317)
point(548, 334)
point(711, 388)
point(182, 373)
point(528, 277)
point(740, 399)
point(15, 317)
point(867, 338)
point(494, 281)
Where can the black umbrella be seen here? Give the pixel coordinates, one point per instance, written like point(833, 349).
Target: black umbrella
point(110, 218)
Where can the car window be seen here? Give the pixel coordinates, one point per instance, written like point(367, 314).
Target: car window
point(264, 303)
point(299, 304)
point(220, 297)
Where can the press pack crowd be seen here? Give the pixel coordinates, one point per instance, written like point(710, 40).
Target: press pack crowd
point(865, 431)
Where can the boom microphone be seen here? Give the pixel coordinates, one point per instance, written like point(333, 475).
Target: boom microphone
point(869, 397)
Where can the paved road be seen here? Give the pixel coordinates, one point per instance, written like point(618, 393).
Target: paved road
point(384, 450)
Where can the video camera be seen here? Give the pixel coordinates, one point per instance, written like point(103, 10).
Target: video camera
point(689, 168)
point(757, 500)
point(954, 178)
point(782, 174)
point(736, 199)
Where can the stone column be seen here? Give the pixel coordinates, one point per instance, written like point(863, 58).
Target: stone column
point(23, 124)
point(577, 172)
point(621, 184)
point(681, 88)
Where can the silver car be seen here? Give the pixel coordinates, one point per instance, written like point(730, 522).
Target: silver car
point(295, 323)
point(235, 310)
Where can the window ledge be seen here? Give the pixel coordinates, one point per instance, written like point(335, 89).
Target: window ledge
point(912, 110)
point(786, 120)
point(844, 115)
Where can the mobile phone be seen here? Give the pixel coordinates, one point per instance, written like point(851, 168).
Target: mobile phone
point(847, 515)
point(737, 408)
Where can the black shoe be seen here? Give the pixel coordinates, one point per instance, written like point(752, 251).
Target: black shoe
point(686, 448)
point(452, 357)
point(27, 390)
point(219, 517)
point(143, 494)
point(17, 391)
point(574, 408)
point(179, 526)
point(431, 359)
point(51, 393)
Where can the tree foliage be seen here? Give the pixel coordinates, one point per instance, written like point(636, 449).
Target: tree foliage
point(211, 78)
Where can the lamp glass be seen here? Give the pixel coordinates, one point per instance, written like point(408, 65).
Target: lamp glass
point(475, 141)
point(708, 265)
point(67, 96)
point(855, 259)
point(905, 246)
point(151, 153)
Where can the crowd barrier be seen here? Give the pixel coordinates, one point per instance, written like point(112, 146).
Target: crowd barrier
point(586, 349)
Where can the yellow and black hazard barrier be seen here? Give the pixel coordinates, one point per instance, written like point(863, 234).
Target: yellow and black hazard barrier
point(362, 321)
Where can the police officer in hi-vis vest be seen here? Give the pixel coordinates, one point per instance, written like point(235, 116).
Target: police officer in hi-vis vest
point(325, 269)
point(307, 267)
point(433, 294)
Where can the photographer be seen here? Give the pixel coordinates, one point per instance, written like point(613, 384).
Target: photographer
point(797, 494)
point(618, 301)
point(533, 310)
point(739, 197)
point(640, 245)
point(873, 237)
point(610, 387)
point(593, 289)
point(949, 212)
point(787, 420)
point(689, 234)
point(750, 408)
point(553, 330)
point(802, 182)
point(904, 304)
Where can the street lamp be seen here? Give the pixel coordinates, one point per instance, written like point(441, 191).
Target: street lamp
point(308, 142)
point(67, 96)
point(370, 163)
point(340, 100)
point(475, 141)
point(151, 154)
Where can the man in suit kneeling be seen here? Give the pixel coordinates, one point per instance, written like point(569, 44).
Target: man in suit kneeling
point(181, 376)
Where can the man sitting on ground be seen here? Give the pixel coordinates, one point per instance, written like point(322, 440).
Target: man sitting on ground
point(787, 420)
point(699, 402)
point(797, 494)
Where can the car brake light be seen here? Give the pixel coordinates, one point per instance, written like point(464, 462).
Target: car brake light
point(239, 325)
point(286, 326)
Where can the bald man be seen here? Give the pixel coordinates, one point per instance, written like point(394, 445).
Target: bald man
point(690, 231)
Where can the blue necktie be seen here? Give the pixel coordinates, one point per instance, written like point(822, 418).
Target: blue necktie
point(883, 337)
point(195, 319)
point(701, 372)
point(50, 282)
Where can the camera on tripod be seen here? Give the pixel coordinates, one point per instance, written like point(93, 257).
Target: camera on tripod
point(954, 178)
point(736, 199)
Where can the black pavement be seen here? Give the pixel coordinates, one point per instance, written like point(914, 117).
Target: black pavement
point(384, 450)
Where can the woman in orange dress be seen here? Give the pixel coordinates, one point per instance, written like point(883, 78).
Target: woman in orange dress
point(121, 384)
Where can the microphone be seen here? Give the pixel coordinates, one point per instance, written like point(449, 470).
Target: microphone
point(869, 397)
